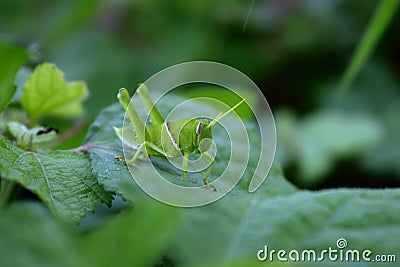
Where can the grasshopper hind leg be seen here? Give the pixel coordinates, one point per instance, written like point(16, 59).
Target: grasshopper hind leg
point(137, 153)
point(185, 166)
point(134, 158)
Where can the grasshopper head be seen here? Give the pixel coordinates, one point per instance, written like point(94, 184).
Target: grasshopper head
point(204, 135)
point(204, 130)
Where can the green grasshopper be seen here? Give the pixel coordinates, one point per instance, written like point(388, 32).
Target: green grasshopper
point(170, 139)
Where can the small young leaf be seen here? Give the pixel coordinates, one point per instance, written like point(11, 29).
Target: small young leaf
point(11, 59)
point(46, 93)
point(32, 139)
point(62, 179)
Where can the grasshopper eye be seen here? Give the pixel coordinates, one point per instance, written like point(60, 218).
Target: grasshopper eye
point(199, 128)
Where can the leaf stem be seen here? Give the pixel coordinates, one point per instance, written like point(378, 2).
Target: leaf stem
point(6, 189)
point(76, 128)
point(89, 146)
point(376, 27)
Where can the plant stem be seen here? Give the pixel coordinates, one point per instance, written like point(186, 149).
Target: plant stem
point(6, 189)
point(379, 22)
point(76, 128)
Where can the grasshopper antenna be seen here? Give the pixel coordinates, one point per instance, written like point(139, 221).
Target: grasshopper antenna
point(221, 115)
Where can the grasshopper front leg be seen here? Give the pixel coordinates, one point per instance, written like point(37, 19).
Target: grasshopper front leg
point(211, 160)
point(141, 148)
point(185, 163)
point(137, 153)
point(185, 167)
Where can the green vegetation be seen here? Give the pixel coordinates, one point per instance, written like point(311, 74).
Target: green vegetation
point(66, 201)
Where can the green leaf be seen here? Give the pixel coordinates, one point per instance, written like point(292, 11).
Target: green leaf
point(239, 225)
point(103, 146)
point(62, 179)
point(211, 229)
point(11, 59)
point(31, 237)
point(234, 228)
point(136, 237)
point(192, 243)
point(46, 93)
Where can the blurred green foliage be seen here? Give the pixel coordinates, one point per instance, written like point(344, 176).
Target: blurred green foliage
point(296, 51)
point(121, 43)
point(11, 58)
